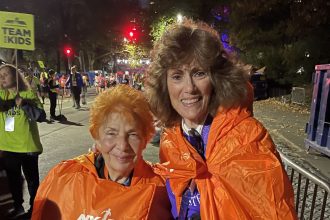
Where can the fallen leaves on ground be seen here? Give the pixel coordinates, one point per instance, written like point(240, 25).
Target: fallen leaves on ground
point(302, 109)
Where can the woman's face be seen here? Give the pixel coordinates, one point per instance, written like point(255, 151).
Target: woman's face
point(7, 79)
point(190, 90)
point(120, 143)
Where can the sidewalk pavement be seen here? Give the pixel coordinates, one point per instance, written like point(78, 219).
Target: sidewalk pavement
point(66, 102)
point(286, 124)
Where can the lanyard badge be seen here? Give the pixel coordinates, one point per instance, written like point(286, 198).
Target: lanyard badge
point(10, 121)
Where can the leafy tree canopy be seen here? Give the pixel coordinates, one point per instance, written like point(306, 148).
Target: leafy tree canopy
point(159, 26)
point(288, 37)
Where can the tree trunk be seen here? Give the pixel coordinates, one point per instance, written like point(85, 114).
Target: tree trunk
point(91, 60)
point(80, 60)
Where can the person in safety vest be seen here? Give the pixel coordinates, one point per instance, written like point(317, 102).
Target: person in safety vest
point(115, 183)
point(20, 144)
point(219, 161)
point(33, 81)
point(53, 93)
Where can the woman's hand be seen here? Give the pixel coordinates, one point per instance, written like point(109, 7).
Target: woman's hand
point(161, 169)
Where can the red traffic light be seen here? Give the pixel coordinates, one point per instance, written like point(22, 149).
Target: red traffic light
point(131, 34)
point(68, 51)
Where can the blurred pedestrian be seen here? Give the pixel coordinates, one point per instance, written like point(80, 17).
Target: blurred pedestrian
point(62, 81)
point(220, 162)
point(116, 183)
point(44, 87)
point(20, 108)
point(138, 82)
point(102, 83)
point(112, 80)
point(84, 88)
point(75, 83)
point(119, 76)
point(53, 93)
point(96, 83)
point(125, 79)
point(33, 81)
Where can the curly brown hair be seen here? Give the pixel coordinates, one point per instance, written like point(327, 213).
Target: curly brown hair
point(126, 101)
point(190, 41)
point(23, 85)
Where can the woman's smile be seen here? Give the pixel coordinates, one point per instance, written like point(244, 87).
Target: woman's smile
point(190, 101)
point(125, 158)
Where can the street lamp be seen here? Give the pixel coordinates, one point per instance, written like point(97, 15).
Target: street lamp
point(179, 18)
point(307, 54)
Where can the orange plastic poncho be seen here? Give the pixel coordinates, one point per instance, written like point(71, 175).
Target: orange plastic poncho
point(73, 190)
point(242, 176)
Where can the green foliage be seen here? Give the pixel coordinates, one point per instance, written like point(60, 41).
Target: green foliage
point(290, 36)
point(135, 52)
point(167, 13)
point(159, 26)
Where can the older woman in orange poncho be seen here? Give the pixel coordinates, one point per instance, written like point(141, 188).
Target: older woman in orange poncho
point(220, 162)
point(115, 183)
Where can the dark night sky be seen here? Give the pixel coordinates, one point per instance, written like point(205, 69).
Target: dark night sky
point(35, 6)
point(106, 15)
point(27, 6)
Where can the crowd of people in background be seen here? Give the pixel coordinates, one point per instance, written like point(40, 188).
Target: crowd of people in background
point(104, 81)
point(49, 84)
point(39, 80)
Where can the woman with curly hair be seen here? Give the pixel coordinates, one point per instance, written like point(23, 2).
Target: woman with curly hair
point(220, 162)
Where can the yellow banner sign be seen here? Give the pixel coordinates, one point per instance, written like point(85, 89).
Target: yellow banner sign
point(41, 64)
point(16, 30)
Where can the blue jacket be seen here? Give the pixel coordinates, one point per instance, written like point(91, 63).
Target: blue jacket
point(78, 79)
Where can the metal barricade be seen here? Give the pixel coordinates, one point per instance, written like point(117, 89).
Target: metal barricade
point(298, 95)
point(311, 192)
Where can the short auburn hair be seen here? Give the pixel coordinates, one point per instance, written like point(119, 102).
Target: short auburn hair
point(124, 100)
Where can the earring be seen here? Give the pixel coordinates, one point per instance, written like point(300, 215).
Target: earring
point(93, 149)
